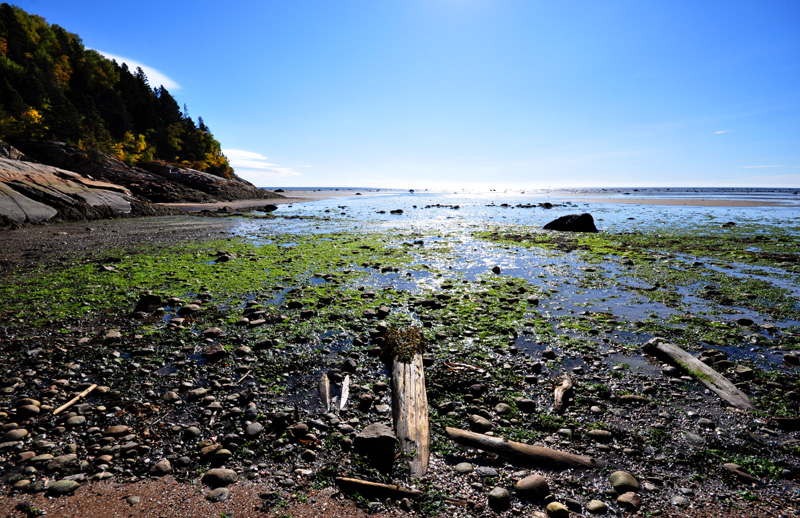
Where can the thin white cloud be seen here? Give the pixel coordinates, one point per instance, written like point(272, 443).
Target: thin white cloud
point(760, 166)
point(720, 132)
point(155, 77)
point(255, 167)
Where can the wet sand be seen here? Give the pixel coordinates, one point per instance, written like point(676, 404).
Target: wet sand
point(677, 202)
point(293, 196)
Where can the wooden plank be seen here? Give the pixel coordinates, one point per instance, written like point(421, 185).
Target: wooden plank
point(712, 379)
point(410, 412)
point(522, 453)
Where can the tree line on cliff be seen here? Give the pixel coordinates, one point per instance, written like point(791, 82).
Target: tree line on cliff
point(53, 88)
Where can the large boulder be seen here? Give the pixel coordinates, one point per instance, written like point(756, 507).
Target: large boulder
point(573, 223)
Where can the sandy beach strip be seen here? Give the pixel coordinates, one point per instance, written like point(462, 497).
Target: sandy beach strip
point(287, 197)
point(680, 202)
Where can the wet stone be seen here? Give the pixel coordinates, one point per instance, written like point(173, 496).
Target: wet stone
point(486, 471)
point(502, 409)
point(253, 430)
point(74, 421)
point(526, 405)
point(479, 424)
point(499, 498)
point(219, 477)
point(557, 510)
point(189, 309)
point(463, 468)
point(600, 435)
point(62, 487)
point(532, 488)
point(161, 468)
point(630, 501)
point(116, 430)
point(28, 411)
point(597, 507)
point(680, 501)
point(219, 494)
point(623, 482)
point(15, 435)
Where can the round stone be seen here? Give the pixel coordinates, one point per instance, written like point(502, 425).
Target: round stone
point(28, 411)
point(532, 488)
point(630, 501)
point(557, 510)
point(253, 430)
point(219, 494)
point(219, 477)
point(464, 468)
point(623, 482)
point(499, 498)
point(161, 468)
point(502, 409)
point(76, 420)
point(601, 435)
point(479, 424)
point(117, 430)
point(597, 507)
point(16, 434)
point(62, 487)
point(680, 501)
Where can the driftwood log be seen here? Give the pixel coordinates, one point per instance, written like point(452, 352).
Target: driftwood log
point(369, 489)
point(521, 453)
point(410, 411)
point(561, 394)
point(712, 379)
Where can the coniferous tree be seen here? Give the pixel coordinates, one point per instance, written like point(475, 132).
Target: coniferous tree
point(52, 88)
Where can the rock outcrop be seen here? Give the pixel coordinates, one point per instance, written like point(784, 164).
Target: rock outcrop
point(35, 193)
point(75, 186)
point(573, 223)
point(156, 182)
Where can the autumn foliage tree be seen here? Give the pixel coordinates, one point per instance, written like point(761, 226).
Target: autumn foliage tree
point(53, 88)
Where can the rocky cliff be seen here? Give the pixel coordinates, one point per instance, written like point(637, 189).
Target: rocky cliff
point(69, 185)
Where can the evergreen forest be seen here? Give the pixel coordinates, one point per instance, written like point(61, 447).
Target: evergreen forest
point(52, 88)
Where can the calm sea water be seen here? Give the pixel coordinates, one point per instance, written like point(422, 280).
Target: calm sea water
point(427, 211)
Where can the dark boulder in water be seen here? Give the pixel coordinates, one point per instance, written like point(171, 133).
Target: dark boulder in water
point(573, 223)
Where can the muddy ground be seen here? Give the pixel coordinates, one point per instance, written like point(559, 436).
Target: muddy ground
point(206, 353)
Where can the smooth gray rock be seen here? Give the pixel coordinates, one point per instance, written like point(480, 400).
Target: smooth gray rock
point(220, 477)
point(62, 487)
point(161, 468)
point(219, 494)
point(479, 424)
point(464, 468)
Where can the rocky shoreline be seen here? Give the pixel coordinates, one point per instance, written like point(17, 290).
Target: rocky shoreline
point(220, 388)
point(54, 182)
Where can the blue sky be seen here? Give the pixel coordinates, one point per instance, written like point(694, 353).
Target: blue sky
point(474, 93)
